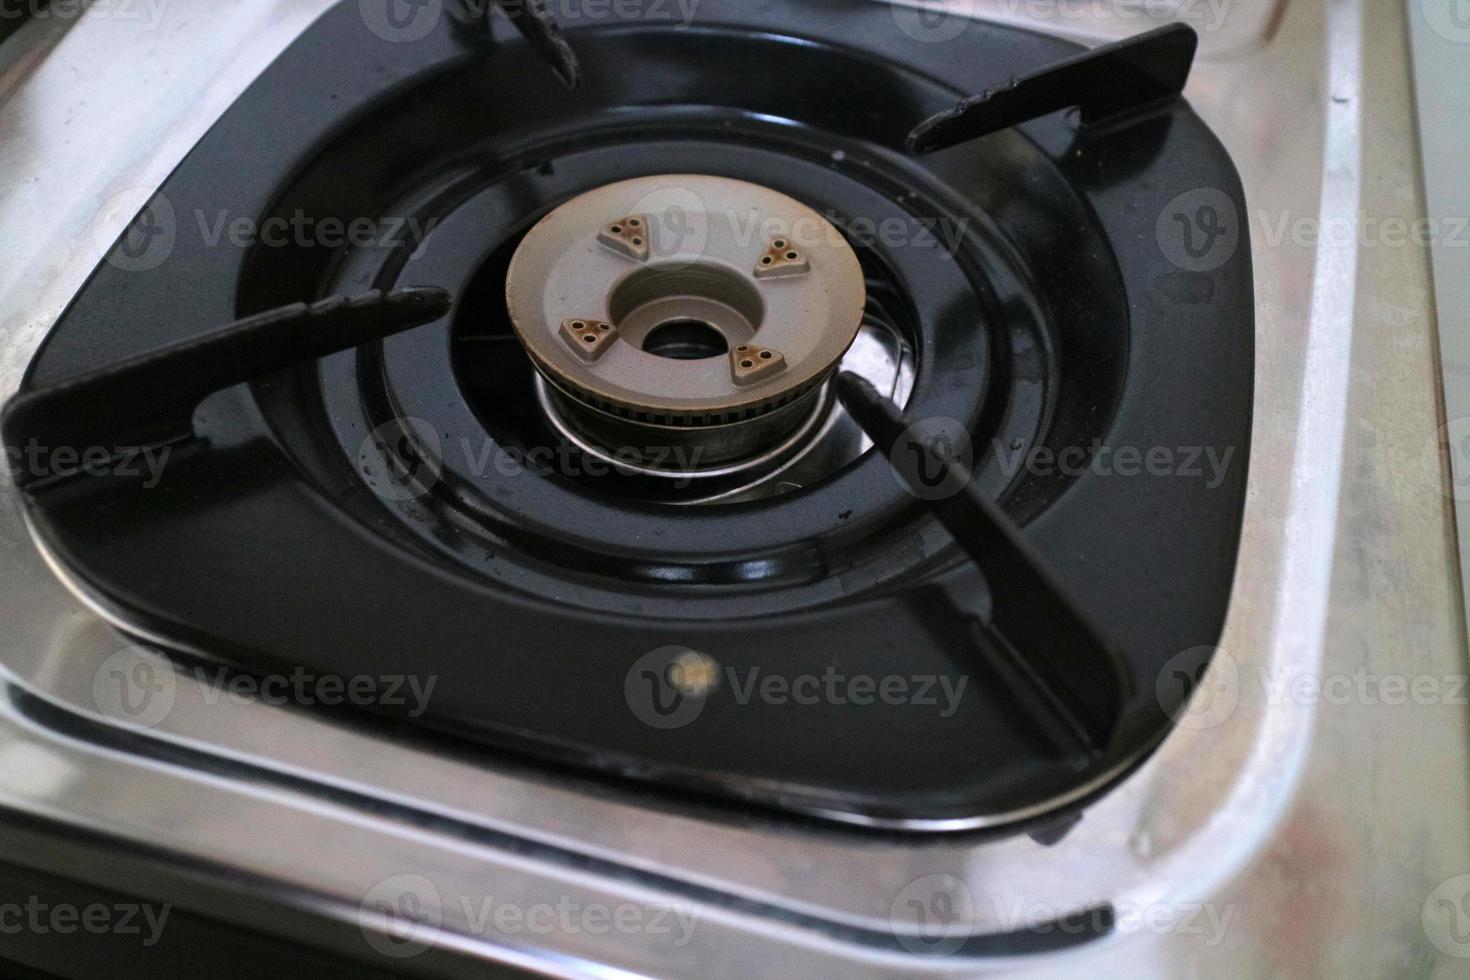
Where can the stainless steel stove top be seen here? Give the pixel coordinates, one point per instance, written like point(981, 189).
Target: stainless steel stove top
point(1306, 818)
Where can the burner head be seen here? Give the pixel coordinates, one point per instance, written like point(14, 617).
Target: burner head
point(686, 310)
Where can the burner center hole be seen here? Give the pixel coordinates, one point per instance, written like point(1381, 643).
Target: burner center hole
point(686, 340)
point(688, 311)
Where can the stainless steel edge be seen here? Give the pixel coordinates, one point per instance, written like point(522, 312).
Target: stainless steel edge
point(1199, 825)
point(1444, 130)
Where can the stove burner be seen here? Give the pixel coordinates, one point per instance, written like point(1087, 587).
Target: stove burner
point(684, 311)
point(1019, 300)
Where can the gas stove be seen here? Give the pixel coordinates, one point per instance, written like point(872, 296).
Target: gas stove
point(674, 491)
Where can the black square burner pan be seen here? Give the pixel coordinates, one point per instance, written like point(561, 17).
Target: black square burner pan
point(1066, 310)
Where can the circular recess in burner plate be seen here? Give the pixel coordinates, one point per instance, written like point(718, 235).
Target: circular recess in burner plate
point(805, 503)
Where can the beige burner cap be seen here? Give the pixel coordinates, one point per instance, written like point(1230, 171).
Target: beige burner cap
point(685, 299)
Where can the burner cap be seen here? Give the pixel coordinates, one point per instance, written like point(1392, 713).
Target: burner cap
point(686, 301)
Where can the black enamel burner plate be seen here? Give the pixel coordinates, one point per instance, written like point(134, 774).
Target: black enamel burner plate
point(1032, 270)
